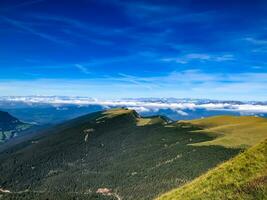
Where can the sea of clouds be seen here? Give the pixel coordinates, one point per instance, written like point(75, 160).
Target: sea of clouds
point(143, 105)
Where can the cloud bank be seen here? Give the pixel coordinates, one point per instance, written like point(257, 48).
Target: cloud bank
point(143, 105)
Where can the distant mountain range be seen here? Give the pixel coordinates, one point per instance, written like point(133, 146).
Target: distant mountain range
point(117, 154)
point(56, 109)
point(11, 127)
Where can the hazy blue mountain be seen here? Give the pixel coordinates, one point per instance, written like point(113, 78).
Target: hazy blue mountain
point(11, 127)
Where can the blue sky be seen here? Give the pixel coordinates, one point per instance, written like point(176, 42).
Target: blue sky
point(114, 48)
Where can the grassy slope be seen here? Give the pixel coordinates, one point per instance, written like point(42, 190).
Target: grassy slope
point(242, 178)
point(137, 158)
point(231, 131)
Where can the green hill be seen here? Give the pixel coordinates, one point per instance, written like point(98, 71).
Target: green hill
point(242, 178)
point(231, 131)
point(10, 127)
point(114, 154)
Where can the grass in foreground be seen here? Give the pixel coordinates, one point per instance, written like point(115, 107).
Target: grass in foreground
point(242, 178)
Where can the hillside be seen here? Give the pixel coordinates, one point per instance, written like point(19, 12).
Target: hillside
point(10, 127)
point(231, 131)
point(242, 178)
point(114, 154)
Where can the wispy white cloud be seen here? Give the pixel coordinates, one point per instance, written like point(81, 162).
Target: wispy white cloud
point(80, 26)
point(199, 57)
point(135, 80)
point(189, 83)
point(22, 4)
point(256, 41)
point(85, 37)
point(259, 45)
point(82, 68)
point(28, 29)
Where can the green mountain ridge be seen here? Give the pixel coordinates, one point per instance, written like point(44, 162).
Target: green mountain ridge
point(115, 154)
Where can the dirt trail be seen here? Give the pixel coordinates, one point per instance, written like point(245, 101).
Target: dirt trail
point(108, 192)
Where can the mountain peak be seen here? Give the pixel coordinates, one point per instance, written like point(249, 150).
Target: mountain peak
point(120, 111)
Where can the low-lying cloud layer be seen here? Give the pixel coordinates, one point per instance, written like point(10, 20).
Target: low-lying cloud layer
point(143, 105)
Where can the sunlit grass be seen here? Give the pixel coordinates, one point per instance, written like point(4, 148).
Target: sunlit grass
point(231, 131)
